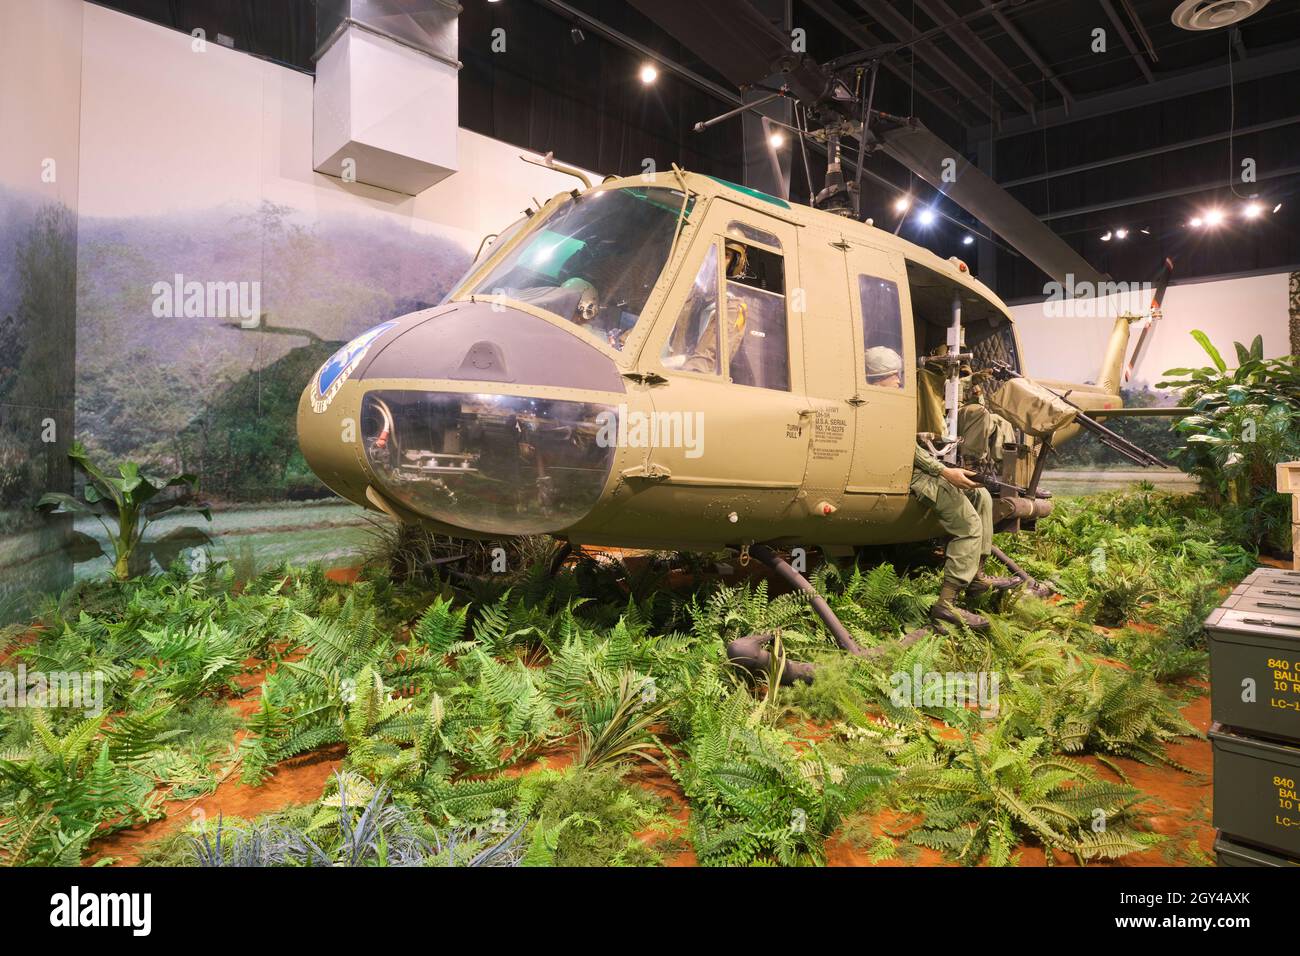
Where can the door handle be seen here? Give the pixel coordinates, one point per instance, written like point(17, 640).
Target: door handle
point(856, 400)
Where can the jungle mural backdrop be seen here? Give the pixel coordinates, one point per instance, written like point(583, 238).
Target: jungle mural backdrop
point(182, 343)
point(216, 393)
point(38, 248)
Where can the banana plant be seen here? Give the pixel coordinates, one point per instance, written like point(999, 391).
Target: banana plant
point(126, 504)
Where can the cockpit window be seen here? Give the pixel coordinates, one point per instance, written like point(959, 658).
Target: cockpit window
point(594, 259)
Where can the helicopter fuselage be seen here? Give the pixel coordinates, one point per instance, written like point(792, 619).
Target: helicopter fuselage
point(696, 381)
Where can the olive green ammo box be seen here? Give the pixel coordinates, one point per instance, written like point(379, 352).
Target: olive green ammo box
point(1275, 576)
point(1255, 796)
point(1230, 853)
point(1274, 591)
point(1255, 666)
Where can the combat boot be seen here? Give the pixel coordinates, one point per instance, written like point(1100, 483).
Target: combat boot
point(983, 583)
point(946, 611)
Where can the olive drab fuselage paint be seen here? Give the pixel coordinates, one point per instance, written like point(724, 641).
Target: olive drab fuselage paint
point(492, 414)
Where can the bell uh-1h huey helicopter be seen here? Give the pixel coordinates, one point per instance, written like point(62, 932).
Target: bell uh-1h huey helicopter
point(674, 361)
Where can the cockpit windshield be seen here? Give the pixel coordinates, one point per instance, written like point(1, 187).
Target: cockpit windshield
point(594, 259)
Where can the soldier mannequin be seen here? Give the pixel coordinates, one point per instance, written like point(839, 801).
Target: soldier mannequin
point(705, 358)
point(964, 507)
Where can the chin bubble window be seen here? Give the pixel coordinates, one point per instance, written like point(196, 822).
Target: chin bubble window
point(495, 464)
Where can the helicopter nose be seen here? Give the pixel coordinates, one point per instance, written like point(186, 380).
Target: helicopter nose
point(490, 342)
point(490, 463)
point(479, 456)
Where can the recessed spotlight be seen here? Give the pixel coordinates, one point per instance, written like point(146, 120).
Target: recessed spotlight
point(926, 217)
point(968, 240)
point(1121, 233)
point(1196, 222)
point(776, 140)
point(649, 73)
point(1213, 217)
point(1145, 232)
point(1276, 208)
point(902, 204)
point(1106, 237)
point(1252, 210)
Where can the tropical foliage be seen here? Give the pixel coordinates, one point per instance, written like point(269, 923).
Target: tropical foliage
point(591, 718)
point(1247, 420)
point(125, 504)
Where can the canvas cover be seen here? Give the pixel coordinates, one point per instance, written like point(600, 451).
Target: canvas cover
point(983, 433)
point(929, 411)
point(1030, 407)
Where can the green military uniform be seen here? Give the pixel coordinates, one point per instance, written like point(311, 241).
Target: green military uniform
point(982, 433)
point(966, 515)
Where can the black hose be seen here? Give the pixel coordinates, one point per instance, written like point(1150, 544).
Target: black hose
point(778, 566)
point(751, 653)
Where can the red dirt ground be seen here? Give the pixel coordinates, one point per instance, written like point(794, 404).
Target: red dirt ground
point(1178, 803)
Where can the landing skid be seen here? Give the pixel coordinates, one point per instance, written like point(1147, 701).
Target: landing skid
point(752, 652)
point(1032, 585)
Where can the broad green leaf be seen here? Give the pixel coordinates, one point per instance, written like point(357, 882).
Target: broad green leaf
point(1204, 341)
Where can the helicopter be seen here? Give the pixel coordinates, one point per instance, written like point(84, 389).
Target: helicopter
point(673, 361)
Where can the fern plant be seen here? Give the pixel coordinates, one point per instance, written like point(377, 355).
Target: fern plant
point(997, 789)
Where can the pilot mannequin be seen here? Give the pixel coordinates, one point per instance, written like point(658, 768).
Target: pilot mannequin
point(964, 508)
point(705, 358)
point(587, 305)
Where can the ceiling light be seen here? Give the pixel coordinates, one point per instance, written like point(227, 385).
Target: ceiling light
point(776, 140)
point(926, 217)
point(1121, 233)
point(1213, 217)
point(902, 204)
point(649, 73)
point(968, 240)
point(1276, 208)
point(1106, 237)
point(1145, 232)
point(1196, 222)
point(1252, 210)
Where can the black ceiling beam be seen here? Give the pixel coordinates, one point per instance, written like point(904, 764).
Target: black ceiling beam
point(901, 27)
point(600, 28)
point(975, 48)
point(1153, 151)
point(1127, 37)
point(1282, 173)
point(860, 35)
point(1168, 87)
point(1011, 30)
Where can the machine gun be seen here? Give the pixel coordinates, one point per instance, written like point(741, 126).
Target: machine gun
point(1000, 488)
point(1139, 456)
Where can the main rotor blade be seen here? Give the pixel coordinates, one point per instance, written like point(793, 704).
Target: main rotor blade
point(926, 155)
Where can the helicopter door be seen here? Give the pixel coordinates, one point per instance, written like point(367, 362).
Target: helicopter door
point(728, 351)
point(885, 352)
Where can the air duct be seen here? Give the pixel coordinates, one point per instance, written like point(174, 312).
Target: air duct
point(385, 101)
